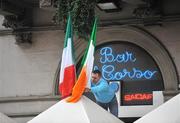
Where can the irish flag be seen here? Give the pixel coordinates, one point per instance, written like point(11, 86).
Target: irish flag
point(67, 71)
point(87, 65)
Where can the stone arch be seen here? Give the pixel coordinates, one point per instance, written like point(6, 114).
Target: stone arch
point(144, 40)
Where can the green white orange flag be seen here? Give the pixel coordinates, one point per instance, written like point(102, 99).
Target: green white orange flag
point(87, 66)
point(67, 72)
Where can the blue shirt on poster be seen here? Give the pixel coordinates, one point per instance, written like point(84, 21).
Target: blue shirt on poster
point(102, 92)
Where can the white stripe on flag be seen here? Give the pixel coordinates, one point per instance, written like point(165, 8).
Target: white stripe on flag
point(89, 63)
point(66, 59)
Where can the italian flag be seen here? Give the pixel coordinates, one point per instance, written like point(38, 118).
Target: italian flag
point(67, 71)
point(87, 66)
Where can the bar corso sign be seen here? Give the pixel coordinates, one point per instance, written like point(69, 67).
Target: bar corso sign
point(120, 66)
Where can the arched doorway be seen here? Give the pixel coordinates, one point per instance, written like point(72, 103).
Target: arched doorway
point(142, 39)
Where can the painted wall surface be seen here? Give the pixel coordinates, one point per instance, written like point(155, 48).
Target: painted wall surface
point(29, 71)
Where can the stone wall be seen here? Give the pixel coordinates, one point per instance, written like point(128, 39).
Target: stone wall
point(28, 71)
point(169, 36)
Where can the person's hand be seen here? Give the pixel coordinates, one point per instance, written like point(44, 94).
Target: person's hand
point(87, 90)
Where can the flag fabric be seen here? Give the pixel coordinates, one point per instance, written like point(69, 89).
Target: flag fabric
point(67, 72)
point(87, 65)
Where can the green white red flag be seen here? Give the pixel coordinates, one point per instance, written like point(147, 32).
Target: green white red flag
point(67, 72)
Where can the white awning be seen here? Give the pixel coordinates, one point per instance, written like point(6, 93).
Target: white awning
point(84, 111)
point(5, 119)
point(168, 112)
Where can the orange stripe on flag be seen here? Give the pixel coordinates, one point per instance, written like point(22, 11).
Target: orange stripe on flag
point(79, 87)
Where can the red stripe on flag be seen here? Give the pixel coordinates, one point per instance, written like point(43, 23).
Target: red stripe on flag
point(65, 87)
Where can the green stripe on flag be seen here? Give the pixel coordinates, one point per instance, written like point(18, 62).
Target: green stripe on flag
point(68, 31)
point(92, 39)
point(93, 34)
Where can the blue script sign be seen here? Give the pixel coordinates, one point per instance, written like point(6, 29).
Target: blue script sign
point(108, 57)
point(110, 61)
